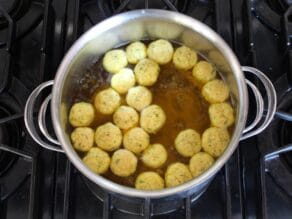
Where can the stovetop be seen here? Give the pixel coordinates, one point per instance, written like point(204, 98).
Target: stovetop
point(37, 183)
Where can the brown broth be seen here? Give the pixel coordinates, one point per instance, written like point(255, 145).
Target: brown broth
point(176, 92)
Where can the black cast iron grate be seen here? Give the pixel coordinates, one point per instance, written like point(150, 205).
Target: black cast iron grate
point(70, 19)
point(270, 18)
point(215, 14)
point(19, 177)
point(123, 5)
point(18, 168)
point(265, 159)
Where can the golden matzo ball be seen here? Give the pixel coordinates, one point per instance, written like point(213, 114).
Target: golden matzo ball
point(200, 162)
point(81, 114)
point(126, 117)
point(82, 138)
point(139, 97)
point(160, 51)
point(184, 58)
point(146, 72)
point(221, 115)
point(215, 141)
point(152, 118)
point(149, 181)
point(107, 101)
point(123, 80)
point(108, 137)
point(176, 174)
point(136, 140)
point(114, 60)
point(123, 163)
point(215, 91)
point(154, 156)
point(135, 52)
point(204, 72)
point(97, 160)
point(188, 142)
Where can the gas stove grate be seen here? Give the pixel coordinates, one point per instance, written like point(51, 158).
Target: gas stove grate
point(119, 6)
point(5, 50)
point(32, 205)
point(12, 181)
point(62, 23)
point(264, 169)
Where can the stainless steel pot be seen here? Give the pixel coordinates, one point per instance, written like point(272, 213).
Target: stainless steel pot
point(149, 24)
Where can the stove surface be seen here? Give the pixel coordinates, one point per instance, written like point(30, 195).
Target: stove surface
point(38, 183)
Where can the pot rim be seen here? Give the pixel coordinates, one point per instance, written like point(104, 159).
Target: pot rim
point(124, 18)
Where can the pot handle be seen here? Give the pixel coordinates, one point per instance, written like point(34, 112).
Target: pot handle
point(29, 123)
point(249, 131)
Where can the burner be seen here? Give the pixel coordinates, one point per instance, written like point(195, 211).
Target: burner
point(15, 8)
point(10, 128)
point(17, 151)
point(270, 12)
point(286, 137)
point(17, 17)
point(285, 124)
point(279, 6)
point(278, 135)
point(12, 179)
point(9, 135)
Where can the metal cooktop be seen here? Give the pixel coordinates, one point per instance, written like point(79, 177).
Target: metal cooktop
point(37, 183)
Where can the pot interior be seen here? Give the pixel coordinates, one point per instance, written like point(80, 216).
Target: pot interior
point(142, 25)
